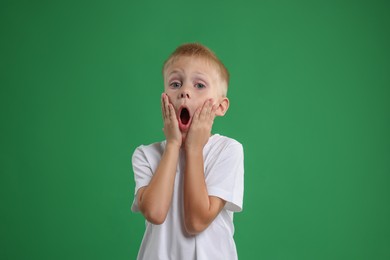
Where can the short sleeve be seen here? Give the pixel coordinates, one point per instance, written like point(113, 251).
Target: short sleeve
point(142, 173)
point(225, 175)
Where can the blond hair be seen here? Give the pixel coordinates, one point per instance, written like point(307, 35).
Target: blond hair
point(200, 51)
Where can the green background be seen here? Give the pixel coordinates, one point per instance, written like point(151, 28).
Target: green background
point(310, 102)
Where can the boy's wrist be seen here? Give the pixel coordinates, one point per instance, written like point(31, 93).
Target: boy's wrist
point(194, 149)
point(172, 145)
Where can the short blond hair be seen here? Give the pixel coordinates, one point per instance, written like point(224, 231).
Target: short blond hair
point(200, 51)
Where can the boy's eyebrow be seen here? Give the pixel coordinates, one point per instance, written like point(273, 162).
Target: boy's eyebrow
point(200, 73)
point(181, 71)
point(202, 76)
point(175, 71)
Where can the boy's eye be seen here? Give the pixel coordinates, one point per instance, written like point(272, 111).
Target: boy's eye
point(199, 85)
point(175, 85)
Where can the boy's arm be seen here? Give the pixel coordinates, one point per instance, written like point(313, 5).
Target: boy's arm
point(155, 199)
point(200, 209)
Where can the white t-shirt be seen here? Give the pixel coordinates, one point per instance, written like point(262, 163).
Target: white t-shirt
point(224, 176)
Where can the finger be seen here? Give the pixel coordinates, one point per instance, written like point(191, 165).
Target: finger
point(162, 106)
point(204, 111)
point(196, 114)
point(166, 106)
point(213, 111)
point(209, 107)
point(172, 114)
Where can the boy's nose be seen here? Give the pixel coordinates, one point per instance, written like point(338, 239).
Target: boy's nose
point(184, 95)
point(185, 92)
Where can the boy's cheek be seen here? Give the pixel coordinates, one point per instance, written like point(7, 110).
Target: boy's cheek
point(169, 96)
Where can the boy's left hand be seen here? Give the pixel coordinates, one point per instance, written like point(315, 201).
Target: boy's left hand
point(201, 125)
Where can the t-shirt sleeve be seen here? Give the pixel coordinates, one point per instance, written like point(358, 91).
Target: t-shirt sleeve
point(142, 173)
point(225, 178)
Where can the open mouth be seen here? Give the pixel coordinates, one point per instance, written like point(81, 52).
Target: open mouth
point(185, 116)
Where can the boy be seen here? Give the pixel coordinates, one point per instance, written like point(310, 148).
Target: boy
point(188, 186)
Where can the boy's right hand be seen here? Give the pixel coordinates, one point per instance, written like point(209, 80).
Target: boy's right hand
point(171, 126)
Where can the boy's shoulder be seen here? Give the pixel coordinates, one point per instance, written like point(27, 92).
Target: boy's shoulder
point(217, 140)
point(155, 145)
point(153, 149)
point(220, 146)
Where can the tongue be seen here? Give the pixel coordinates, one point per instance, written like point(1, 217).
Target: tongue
point(185, 116)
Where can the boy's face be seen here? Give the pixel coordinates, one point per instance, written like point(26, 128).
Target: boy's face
point(189, 82)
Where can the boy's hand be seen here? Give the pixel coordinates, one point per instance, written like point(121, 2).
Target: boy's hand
point(201, 125)
point(171, 126)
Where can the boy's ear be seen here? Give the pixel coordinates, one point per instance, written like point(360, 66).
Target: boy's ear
point(223, 107)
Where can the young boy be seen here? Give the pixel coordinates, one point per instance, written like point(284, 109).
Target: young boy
point(188, 186)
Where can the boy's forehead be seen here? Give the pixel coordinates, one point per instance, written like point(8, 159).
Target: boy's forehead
point(199, 65)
